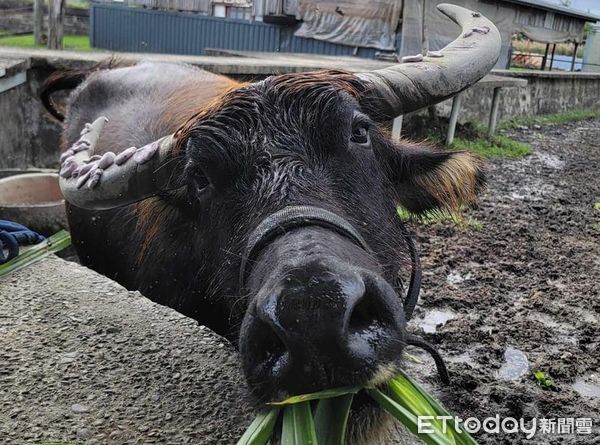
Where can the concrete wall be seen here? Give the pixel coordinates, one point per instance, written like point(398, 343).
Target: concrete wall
point(29, 136)
point(545, 93)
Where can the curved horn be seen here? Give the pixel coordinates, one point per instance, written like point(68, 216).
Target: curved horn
point(409, 86)
point(108, 181)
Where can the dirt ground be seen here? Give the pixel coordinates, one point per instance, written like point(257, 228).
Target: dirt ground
point(521, 293)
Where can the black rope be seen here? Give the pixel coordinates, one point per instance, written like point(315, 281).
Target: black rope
point(414, 287)
point(413, 340)
point(290, 218)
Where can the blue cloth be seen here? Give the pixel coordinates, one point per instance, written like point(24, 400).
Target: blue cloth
point(12, 235)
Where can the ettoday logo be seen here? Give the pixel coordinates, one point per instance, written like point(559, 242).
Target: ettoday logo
point(507, 425)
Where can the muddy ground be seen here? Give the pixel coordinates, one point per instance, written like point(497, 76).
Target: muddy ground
point(527, 281)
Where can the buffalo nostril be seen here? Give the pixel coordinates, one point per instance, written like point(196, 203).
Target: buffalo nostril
point(365, 314)
point(273, 352)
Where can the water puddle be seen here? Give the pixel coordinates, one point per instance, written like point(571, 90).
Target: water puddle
point(588, 386)
point(515, 364)
point(550, 160)
point(465, 357)
point(435, 319)
point(455, 278)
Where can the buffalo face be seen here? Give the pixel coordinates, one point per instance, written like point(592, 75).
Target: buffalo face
point(318, 306)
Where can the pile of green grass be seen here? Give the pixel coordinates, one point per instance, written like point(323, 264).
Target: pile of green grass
point(326, 423)
point(473, 137)
point(493, 147)
point(76, 43)
point(431, 217)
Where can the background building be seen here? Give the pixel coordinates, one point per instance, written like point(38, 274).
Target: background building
point(374, 29)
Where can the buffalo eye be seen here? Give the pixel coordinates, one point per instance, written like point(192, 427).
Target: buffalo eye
point(360, 132)
point(200, 185)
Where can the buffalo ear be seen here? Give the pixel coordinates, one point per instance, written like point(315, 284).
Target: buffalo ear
point(426, 178)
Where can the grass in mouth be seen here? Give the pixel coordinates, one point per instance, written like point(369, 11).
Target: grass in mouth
point(326, 424)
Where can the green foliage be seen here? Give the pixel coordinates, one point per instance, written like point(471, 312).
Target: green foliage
point(544, 381)
point(432, 217)
point(321, 395)
point(298, 425)
point(331, 419)
point(494, 147)
point(402, 397)
point(72, 42)
point(473, 137)
point(261, 429)
point(78, 4)
point(561, 118)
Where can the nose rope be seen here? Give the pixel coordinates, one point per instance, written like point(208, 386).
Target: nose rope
point(289, 218)
point(413, 340)
point(414, 286)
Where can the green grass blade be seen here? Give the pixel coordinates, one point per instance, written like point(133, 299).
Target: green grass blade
point(260, 430)
point(331, 419)
point(411, 398)
point(298, 425)
point(326, 394)
point(407, 418)
point(462, 438)
point(57, 242)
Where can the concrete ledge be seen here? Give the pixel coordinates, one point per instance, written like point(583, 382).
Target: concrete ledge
point(84, 360)
point(548, 74)
point(233, 65)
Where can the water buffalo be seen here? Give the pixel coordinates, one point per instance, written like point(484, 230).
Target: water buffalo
point(267, 210)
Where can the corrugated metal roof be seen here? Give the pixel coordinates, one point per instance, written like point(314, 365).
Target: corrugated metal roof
point(557, 8)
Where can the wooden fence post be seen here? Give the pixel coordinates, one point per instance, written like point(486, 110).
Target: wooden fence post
point(38, 22)
point(56, 14)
